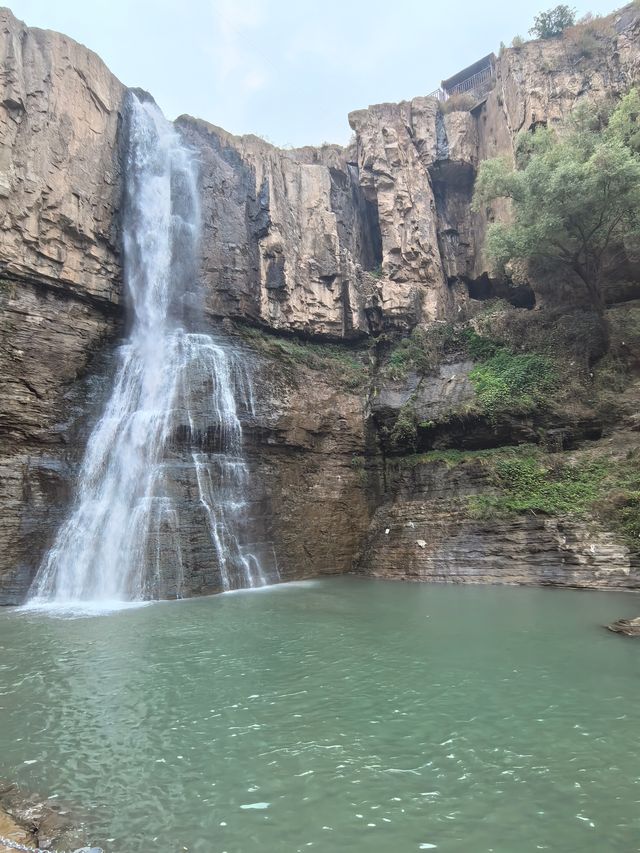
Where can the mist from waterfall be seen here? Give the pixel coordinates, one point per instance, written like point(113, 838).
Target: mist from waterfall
point(173, 385)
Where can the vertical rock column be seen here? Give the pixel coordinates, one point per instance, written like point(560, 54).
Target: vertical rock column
point(394, 176)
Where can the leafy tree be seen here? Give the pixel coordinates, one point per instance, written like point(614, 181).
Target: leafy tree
point(575, 193)
point(552, 23)
point(624, 122)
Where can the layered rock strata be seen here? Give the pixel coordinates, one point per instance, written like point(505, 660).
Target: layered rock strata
point(425, 530)
point(330, 243)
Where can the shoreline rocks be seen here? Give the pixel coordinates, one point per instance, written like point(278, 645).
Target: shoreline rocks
point(34, 821)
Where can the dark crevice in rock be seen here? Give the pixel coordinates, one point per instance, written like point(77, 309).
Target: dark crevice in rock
point(486, 287)
point(452, 183)
point(30, 387)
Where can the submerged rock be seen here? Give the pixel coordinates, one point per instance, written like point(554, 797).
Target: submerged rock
point(630, 627)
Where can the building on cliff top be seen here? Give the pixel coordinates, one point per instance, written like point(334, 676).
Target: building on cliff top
point(476, 80)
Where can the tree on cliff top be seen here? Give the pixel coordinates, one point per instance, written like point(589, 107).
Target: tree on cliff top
point(553, 23)
point(575, 193)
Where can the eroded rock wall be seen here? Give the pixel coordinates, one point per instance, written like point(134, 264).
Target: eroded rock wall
point(418, 160)
point(60, 277)
point(307, 447)
point(330, 243)
point(59, 168)
point(288, 237)
point(425, 530)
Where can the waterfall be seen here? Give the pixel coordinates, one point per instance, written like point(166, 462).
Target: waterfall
point(172, 423)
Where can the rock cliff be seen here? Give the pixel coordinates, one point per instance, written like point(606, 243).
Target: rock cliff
point(356, 245)
point(59, 168)
point(428, 531)
point(60, 282)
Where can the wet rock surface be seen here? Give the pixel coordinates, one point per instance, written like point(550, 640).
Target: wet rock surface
point(306, 501)
point(628, 627)
point(48, 360)
point(37, 822)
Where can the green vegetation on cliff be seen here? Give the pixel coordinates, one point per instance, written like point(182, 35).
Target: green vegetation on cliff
point(516, 383)
point(552, 23)
point(529, 481)
point(598, 485)
point(347, 365)
point(505, 381)
point(525, 479)
point(422, 351)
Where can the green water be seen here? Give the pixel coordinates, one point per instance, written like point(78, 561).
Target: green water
point(341, 715)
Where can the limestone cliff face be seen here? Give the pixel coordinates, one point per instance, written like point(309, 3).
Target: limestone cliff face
point(407, 154)
point(418, 163)
point(289, 239)
point(426, 532)
point(328, 243)
point(59, 169)
point(60, 280)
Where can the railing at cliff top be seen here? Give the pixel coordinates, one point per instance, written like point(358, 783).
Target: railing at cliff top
point(438, 94)
point(478, 84)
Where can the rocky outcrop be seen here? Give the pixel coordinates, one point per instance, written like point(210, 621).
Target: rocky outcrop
point(36, 822)
point(417, 165)
point(541, 81)
point(425, 530)
point(329, 243)
point(59, 167)
point(395, 179)
point(289, 239)
point(628, 627)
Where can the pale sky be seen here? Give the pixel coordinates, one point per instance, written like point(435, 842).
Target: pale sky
point(288, 70)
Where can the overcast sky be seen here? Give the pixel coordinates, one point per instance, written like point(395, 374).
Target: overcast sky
point(288, 70)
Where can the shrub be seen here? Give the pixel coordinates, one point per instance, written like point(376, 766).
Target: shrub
point(513, 383)
point(517, 42)
point(553, 22)
point(422, 351)
point(589, 37)
point(575, 196)
point(404, 435)
point(480, 348)
point(529, 483)
point(460, 103)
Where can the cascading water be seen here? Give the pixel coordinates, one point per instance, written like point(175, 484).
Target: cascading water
point(172, 421)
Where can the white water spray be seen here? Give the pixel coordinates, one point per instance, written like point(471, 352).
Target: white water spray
point(172, 386)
